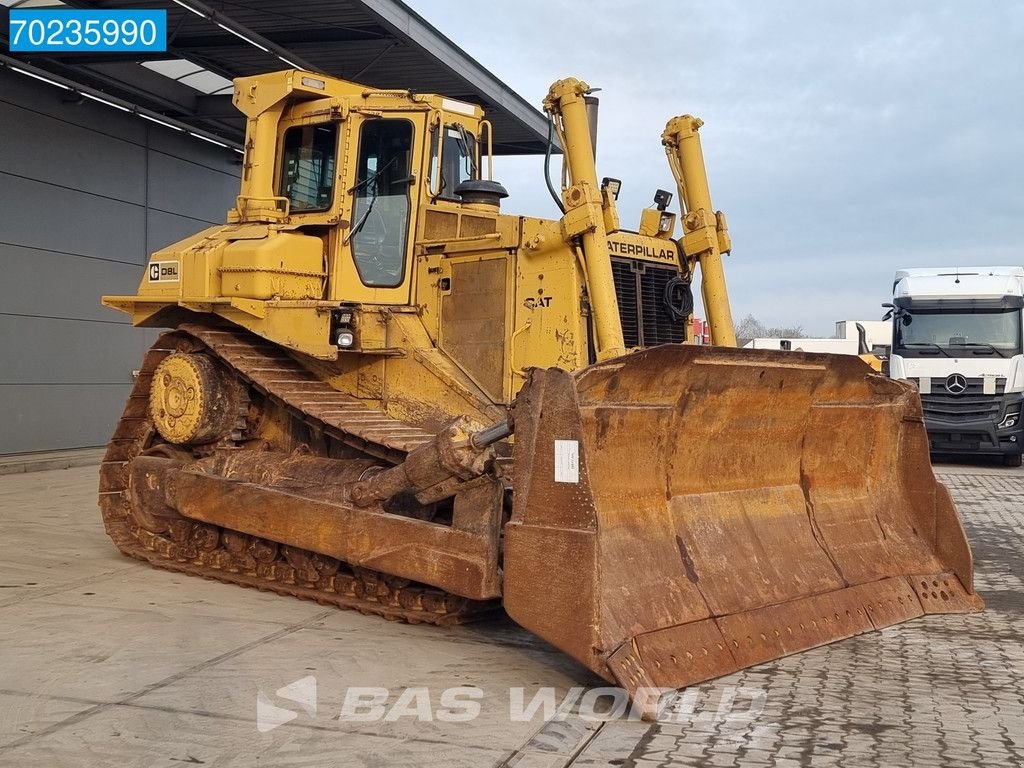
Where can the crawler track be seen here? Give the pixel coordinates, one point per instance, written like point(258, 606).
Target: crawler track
point(204, 550)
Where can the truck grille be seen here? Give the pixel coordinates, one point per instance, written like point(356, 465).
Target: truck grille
point(958, 441)
point(971, 405)
point(640, 290)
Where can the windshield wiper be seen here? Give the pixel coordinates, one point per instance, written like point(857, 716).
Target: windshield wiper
point(362, 219)
point(982, 344)
point(372, 177)
point(373, 198)
point(908, 344)
point(463, 140)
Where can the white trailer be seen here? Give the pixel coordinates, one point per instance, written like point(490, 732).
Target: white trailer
point(877, 333)
point(957, 335)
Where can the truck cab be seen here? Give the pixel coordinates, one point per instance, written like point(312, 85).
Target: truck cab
point(957, 335)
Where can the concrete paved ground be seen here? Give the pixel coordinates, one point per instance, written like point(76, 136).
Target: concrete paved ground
point(107, 662)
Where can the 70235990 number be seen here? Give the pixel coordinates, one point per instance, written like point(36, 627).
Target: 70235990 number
point(45, 30)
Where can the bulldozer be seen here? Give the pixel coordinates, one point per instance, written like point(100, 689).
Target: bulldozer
point(381, 392)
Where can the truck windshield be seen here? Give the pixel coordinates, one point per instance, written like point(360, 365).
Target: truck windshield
point(960, 332)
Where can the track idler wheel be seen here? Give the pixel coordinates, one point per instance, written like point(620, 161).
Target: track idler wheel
point(193, 400)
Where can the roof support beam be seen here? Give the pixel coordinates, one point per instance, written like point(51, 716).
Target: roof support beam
point(242, 32)
point(410, 26)
point(93, 94)
point(215, 107)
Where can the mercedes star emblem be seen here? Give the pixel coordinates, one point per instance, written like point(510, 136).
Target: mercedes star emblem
point(956, 384)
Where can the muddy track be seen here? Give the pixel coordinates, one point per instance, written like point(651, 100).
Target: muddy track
point(199, 549)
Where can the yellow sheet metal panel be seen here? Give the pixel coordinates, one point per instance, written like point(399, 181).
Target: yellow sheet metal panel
point(473, 320)
point(551, 318)
point(286, 265)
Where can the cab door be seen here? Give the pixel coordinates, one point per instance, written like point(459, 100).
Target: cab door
point(374, 246)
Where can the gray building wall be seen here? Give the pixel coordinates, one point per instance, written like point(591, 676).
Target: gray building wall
point(86, 193)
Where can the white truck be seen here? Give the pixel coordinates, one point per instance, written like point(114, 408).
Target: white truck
point(957, 335)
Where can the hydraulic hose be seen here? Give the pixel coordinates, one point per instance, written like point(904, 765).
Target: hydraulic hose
point(547, 164)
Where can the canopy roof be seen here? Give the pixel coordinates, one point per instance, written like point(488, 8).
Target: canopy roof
point(382, 43)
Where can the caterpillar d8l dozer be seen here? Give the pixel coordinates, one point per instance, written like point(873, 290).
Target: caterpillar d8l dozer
point(382, 393)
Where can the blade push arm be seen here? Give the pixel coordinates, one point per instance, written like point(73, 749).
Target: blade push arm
point(705, 235)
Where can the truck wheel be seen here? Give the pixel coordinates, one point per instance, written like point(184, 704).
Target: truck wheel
point(1011, 459)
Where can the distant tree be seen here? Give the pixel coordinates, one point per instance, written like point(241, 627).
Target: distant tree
point(789, 332)
point(752, 328)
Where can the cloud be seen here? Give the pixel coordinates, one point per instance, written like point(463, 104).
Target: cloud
point(843, 140)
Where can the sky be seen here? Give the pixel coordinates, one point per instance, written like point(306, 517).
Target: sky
point(843, 140)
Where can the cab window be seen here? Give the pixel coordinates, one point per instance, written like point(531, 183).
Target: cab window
point(380, 210)
point(455, 163)
point(307, 173)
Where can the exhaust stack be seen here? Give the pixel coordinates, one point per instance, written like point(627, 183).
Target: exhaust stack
point(592, 105)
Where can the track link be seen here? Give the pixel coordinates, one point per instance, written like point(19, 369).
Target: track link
point(199, 549)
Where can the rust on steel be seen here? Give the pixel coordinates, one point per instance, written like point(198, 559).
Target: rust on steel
point(673, 515)
point(729, 507)
point(137, 472)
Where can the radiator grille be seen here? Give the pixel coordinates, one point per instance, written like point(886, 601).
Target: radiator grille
point(640, 289)
point(971, 405)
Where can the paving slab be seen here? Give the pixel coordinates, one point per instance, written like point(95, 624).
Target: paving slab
point(105, 661)
point(133, 737)
point(24, 715)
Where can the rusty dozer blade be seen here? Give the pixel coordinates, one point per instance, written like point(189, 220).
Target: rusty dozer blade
point(685, 512)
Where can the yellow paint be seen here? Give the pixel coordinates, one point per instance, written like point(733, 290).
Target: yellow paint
point(584, 215)
point(873, 360)
point(290, 275)
point(176, 399)
point(706, 236)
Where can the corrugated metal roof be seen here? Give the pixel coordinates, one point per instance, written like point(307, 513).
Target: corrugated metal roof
point(382, 43)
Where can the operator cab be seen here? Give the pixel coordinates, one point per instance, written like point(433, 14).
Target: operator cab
point(402, 159)
point(357, 168)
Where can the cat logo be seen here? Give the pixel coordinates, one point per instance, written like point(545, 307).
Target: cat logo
point(163, 272)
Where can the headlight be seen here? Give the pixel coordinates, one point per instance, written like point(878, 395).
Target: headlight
point(1011, 417)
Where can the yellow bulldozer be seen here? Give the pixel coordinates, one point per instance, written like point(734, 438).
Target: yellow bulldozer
point(381, 392)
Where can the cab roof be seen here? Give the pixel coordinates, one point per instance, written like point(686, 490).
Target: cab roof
point(958, 282)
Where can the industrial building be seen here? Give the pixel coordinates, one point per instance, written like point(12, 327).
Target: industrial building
point(107, 157)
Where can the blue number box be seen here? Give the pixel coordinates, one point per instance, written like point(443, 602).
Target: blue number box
point(35, 30)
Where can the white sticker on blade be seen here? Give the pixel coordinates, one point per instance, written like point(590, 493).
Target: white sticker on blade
point(567, 461)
